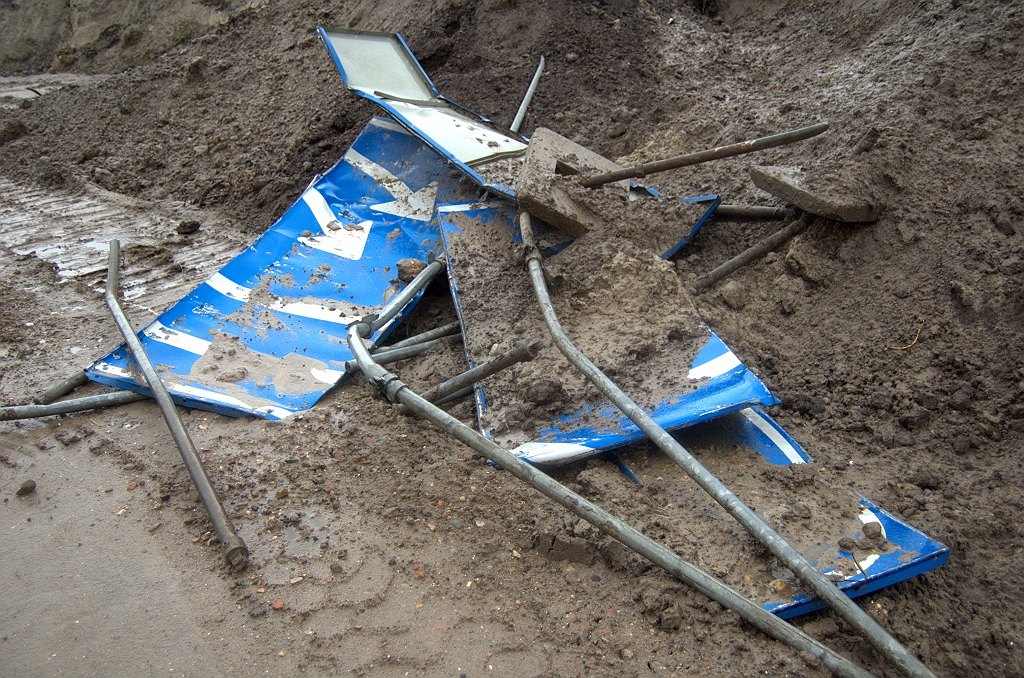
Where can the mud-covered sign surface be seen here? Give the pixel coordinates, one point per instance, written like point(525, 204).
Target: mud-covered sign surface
point(266, 334)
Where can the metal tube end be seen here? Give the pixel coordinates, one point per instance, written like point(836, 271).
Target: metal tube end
point(236, 553)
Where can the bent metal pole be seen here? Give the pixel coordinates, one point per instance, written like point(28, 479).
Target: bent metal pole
point(643, 169)
point(235, 552)
point(826, 590)
point(396, 391)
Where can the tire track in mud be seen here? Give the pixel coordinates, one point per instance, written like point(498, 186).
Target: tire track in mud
point(72, 231)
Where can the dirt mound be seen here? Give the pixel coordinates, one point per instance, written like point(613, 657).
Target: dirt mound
point(893, 345)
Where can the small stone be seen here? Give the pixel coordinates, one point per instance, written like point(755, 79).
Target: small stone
point(847, 543)
point(544, 392)
point(27, 487)
point(1010, 265)
point(571, 57)
point(872, 530)
point(154, 527)
point(671, 618)
point(962, 444)
point(617, 130)
point(103, 177)
point(456, 525)
point(257, 611)
point(282, 493)
point(866, 544)
point(915, 418)
point(626, 653)
point(187, 227)
point(11, 130)
point(622, 114)
point(926, 479)
point(195, 70)
point(734, 295)
point(880, 399)
point(801, 510)
point(336, 568)
point(409, 269)
point(962, 399)
point(278, 604)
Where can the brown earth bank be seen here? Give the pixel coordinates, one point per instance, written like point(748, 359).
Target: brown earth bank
point(895, 346)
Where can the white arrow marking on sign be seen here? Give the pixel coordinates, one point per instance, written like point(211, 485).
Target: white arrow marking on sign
point(417, 205)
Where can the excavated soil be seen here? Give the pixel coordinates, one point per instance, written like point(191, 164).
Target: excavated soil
point(381, 546)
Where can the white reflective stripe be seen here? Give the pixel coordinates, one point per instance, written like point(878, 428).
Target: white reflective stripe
point(165, 335)
point(868, 562)
point(544, 453)
point(470, 206)
point(346, 241)
point(715, 367)
point(389, 125)
point(314, 311)
point(327, 376)
point(226, 400)
point(229, 288)
point(868, 516)
point(343, 240)
point(318, 206)
point(113, 370)
point(406, 203)
point(755, 418)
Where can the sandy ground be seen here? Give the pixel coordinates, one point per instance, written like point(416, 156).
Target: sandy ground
point(396, 551)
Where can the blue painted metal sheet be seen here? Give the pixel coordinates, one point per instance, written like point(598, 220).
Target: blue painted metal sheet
point(266, 335)
point(909, 552)
point(381, 68)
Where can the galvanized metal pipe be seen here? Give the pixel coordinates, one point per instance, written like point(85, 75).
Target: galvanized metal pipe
point(643, 169)
point(521, 113)
point(235, 552)
point(458, 395)
point(436, 333)
point(403, 353)
point(879, 638)
point(402, 299)
point(397, 391)
point(524, 351)
point(755, 252)
point(69, 406)
point(62, 389)
point(754, 212)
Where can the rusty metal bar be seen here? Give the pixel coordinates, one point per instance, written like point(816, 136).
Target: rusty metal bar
point(755, 252)
point(643, 169)
point(753, 212)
